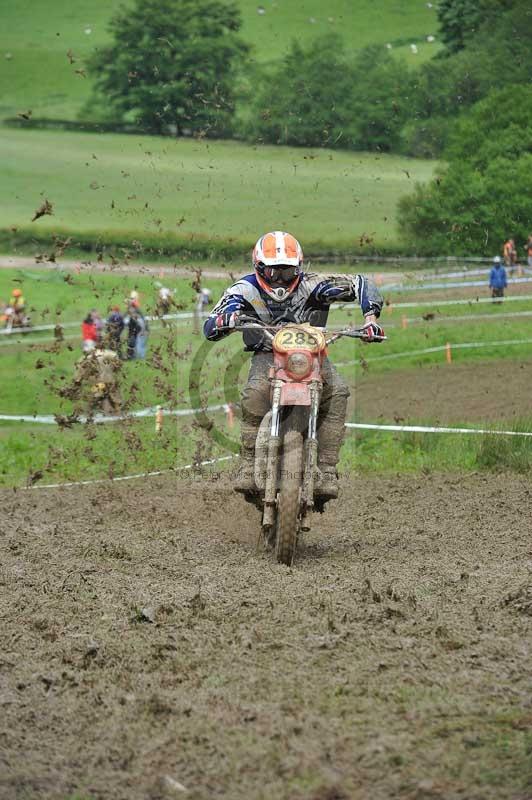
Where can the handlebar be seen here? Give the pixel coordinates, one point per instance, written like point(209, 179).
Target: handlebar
point(246, 322)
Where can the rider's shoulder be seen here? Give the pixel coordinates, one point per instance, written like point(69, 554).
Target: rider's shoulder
point(246, 285)
point(312, 278)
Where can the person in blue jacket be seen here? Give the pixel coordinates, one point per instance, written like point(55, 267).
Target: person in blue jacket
point(498, 280)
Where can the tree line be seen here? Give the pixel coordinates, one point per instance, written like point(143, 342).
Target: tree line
point(181, 67)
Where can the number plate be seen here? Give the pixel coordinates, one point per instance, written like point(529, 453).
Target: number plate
point(299, 337)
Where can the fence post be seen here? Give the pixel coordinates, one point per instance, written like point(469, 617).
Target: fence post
point(230, 415)
point(448, 356)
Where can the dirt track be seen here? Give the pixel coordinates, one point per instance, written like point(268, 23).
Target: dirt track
point(485, 391)
point(148, 645)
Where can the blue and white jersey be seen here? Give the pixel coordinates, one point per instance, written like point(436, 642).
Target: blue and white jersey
point(309, 302)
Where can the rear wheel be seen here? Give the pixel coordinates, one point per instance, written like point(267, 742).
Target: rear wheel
point(288, 497)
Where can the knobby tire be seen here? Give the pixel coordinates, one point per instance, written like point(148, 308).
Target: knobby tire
point(288, 508)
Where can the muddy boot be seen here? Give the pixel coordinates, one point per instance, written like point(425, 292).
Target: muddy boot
point(327, 485)
point(245, 478)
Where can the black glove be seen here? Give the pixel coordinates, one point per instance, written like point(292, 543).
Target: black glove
point(372, 332)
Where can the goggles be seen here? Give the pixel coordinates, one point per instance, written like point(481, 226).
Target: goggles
point(282, 274)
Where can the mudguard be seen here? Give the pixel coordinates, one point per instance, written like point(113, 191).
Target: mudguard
point(295, 394)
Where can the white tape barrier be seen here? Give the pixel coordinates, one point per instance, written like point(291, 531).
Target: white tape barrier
point(470, 317)
point(437, 303)
point(335, 307)
point(409, 320)
point(426, 429)
point(349, 425)
point(130, 477)
point(50, 419)
point(437, 349)
point(398, 287)
point(39, 328)
point(465, 273)
point(444, 319)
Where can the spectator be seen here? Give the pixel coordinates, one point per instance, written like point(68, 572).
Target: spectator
point(99, 324)
point(89, 333)
point(133, 327)
point(498, 280)
point(115, 326)
point(137, 332)
point(164, 301)
point(142, 336)
point(510, 255)
point(528, 248)
point(203, 301)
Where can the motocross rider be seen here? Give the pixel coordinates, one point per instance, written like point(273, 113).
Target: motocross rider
point(278, 291)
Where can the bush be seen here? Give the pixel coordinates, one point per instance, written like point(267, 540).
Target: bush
point(318, 97)
point(484, 195)
point(425, 138)
point(499, 126)
point(140, 245)
point(489, 48)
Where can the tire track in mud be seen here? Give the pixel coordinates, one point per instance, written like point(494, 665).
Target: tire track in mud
point(146, 640)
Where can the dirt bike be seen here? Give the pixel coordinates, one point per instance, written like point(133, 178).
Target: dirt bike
point(286, 449)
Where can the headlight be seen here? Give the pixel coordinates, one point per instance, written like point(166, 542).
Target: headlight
point(299, 363)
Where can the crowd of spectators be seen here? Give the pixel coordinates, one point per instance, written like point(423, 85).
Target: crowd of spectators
point(109, 333)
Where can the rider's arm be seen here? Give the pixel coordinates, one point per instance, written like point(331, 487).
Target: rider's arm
point(214, 327)
point(348, 289)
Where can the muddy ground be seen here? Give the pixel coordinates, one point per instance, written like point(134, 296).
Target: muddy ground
point(150, 650)
point(479, 392)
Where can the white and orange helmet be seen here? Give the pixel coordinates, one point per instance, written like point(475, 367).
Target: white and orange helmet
point(277, 260)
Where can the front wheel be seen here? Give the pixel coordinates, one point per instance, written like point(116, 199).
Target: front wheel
point(291, 480)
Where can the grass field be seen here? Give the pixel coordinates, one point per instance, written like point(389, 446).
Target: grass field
point(39, 369)
point(35, 37)
point(185, 191)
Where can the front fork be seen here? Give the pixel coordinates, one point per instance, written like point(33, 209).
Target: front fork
point(272, 460)
point(310, 456)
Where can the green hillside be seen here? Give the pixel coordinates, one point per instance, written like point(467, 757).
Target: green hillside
point(35, 37)
point(142, 187)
